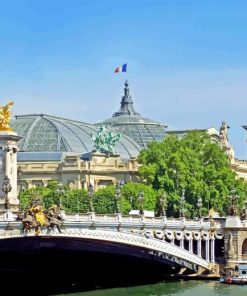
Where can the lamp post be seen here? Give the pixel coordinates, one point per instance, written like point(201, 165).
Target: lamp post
point(141, 200)
point(234, 198)
point(131, 201)
point(6, 188)
point(163, 205)
point(60, 192)
point(182, 203)
point(199, 205)
point(90, 194)
point(176, 176)
point(117, 198)
point(243, 214)
point(120, 185)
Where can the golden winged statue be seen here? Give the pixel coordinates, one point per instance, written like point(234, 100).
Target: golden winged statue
point(5, 114)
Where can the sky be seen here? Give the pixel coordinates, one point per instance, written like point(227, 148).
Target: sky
point(187, 60)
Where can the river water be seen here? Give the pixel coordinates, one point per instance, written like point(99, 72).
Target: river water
point(175, 288)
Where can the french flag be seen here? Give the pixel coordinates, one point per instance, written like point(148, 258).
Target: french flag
point(121, 69)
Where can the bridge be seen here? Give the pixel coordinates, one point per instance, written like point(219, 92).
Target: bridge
point(175, 242)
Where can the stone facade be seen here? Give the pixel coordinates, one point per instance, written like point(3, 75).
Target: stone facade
point(240, 167)
point(99, 170)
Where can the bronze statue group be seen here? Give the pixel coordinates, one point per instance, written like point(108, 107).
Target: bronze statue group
point(36, 217)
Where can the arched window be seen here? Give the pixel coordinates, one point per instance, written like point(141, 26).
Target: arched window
point(244, 249)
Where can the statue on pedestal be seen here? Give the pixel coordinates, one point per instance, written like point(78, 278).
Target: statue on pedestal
point(5, 117)
point(223, 133)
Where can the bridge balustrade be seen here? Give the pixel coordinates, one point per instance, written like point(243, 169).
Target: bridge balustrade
point(84, 217)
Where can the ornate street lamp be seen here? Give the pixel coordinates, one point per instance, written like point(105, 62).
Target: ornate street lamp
point(234, 198)
point(131, 202)
point(141, 201)
point(117, 198)
point(182, 203)
point(121, 183)
point(199, 205)
point(90, 194)
point(243, 214)
point(176, 176)
point(6, 188)
point(163, 204)
point(60, 192)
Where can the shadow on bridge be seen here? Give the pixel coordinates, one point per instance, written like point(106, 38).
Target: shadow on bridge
point(48, 265)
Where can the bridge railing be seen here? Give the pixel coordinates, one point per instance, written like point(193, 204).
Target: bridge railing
point(118, 218)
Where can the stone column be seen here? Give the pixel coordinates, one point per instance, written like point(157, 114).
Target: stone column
point(182, 243)
point(212, 250)
point(8, 168)
point(191, 245)
point(199, 247)
point(207, 250)
point(78, 182)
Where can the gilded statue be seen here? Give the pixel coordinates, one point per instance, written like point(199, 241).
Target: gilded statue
point(5, 113)
point(36, 217)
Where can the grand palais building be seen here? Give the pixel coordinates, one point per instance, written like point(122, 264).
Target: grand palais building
point(54, 148)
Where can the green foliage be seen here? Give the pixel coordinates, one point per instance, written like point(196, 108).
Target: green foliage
point(47, 194)
point(130, 197)
point(72, 201)
point(195, 164)
point(76, 200)
point(104, 200)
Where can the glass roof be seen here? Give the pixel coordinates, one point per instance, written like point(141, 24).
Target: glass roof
point(46, 133)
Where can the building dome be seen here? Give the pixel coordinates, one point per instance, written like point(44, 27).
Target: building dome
point(44, 133)
point(127, 121)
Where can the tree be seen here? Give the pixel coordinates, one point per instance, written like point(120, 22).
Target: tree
point(130, 197)
point(72, 200)
point(193, 163)
point(103, 200)
point(76, 201)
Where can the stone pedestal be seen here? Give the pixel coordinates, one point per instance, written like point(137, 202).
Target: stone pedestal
point(232, 221)
point(8, 167)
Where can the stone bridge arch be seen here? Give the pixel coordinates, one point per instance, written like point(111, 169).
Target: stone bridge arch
point(159, 250)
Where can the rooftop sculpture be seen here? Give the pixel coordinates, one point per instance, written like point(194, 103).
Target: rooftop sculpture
point(5, 117)
point(223, 133)
point(105, 140)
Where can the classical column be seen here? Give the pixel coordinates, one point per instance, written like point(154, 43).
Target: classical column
point(191, 245)
point(199, 247)
point(207, 249)
point(212, 250)
point(182, 243)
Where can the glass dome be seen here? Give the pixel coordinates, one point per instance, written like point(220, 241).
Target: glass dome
point(127, 121)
